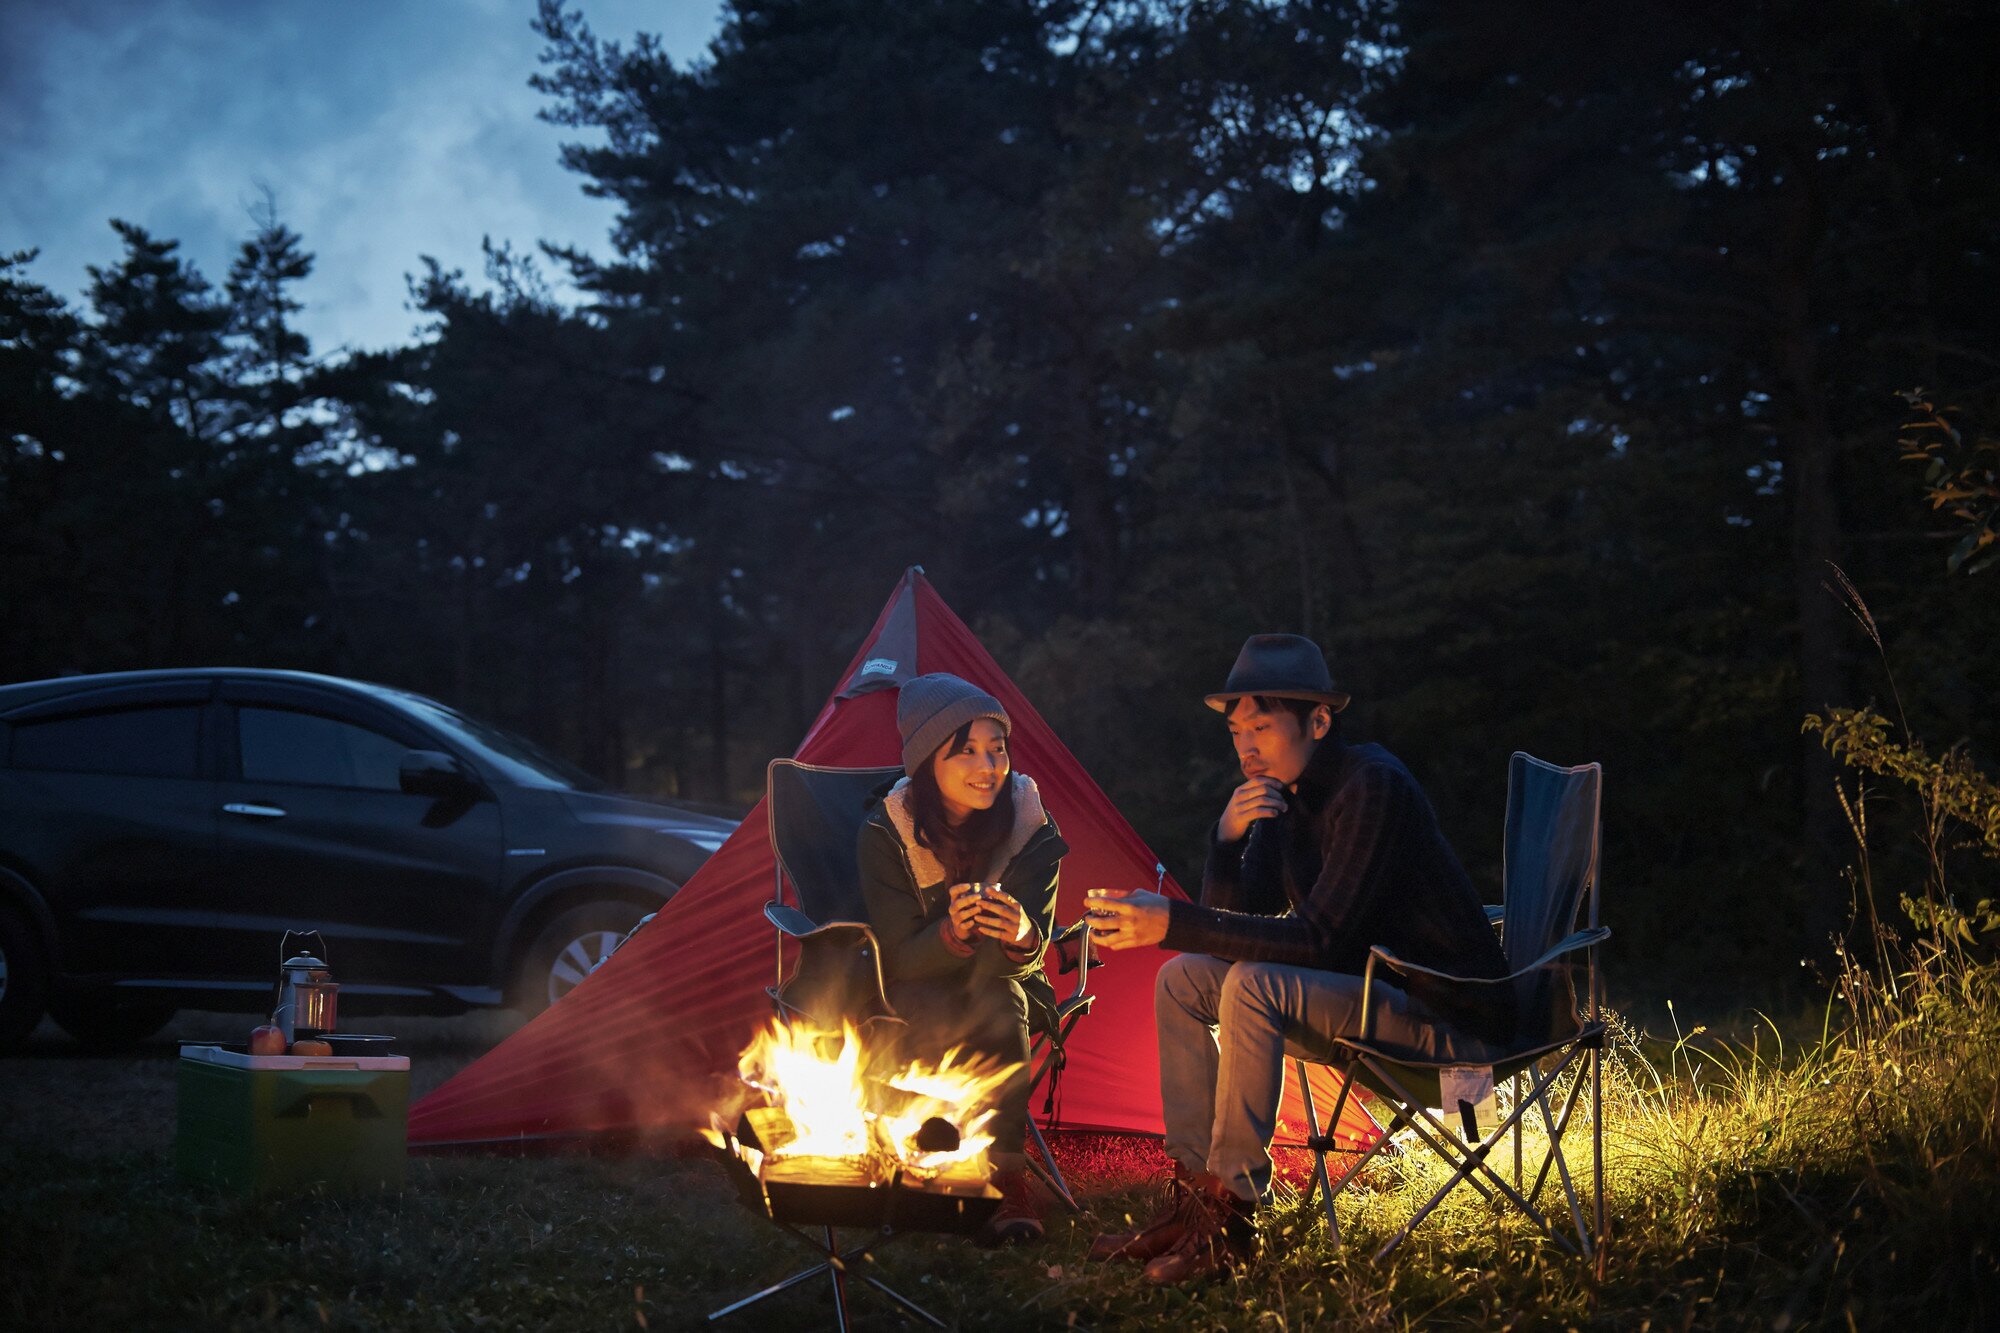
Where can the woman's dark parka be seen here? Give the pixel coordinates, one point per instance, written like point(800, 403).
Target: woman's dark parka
point(909, 901)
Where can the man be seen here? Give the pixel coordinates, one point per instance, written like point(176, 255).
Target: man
point(1325, 850)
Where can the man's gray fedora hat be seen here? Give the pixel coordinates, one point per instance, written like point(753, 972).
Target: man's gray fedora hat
point(1279, 666)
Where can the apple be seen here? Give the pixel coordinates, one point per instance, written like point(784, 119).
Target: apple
point(267, 1040)
point(312, 1046)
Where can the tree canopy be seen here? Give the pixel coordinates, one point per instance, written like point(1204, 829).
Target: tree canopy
point(1541, 361)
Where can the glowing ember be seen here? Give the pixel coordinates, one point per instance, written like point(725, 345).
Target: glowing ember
point(828, 1116)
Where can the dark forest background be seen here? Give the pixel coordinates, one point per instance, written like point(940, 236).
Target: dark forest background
point(1535, 358)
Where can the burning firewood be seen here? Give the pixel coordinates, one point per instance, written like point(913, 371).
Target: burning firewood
point(821, 1105)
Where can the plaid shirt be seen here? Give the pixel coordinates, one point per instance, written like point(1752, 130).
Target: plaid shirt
point(1356, 860)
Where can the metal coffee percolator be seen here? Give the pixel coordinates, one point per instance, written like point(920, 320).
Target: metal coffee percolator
point(307, 996)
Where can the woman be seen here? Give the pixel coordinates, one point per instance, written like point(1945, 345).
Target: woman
point(960, 961)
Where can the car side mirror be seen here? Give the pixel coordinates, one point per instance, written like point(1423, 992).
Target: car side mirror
point(436, 774)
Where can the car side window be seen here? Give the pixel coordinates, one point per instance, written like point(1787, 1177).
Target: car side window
point(279, 745)
point(159, 742)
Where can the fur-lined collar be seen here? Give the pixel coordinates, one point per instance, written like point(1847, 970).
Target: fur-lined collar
point(926, 869)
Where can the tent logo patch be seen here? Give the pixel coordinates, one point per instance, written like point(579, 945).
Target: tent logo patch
point(879, 666)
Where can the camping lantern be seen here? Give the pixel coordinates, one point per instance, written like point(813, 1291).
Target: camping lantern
point(307, 997)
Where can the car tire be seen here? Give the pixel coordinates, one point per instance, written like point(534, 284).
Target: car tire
point(24, 982)
point(568, 948)
point(104, 1022)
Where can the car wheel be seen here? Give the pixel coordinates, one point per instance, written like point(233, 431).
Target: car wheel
point(23, 982)
point(109, 1022)
point(568, 949)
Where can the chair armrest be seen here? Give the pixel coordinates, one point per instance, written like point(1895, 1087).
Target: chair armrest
point(1069, 945)
point(789, 919)
point(1054, 1020)
point(1075, 1004)
point(1582, 939)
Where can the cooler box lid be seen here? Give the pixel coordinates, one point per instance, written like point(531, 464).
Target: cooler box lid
point(222, 1055)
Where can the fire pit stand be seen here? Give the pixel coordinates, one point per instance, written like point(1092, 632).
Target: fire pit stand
point(835, 1263)
point(801, 1206)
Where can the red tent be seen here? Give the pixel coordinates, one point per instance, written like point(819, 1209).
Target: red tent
point(649, 1041)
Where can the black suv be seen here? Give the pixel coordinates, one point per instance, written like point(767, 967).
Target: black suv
point(160, 830)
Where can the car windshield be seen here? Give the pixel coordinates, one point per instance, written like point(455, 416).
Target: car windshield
point(524, 762)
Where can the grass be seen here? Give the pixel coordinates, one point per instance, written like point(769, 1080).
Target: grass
point(1852, 1181)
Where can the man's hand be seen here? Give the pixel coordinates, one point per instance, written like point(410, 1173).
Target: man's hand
point(965, 906)
point(1130, 920)
point(1258, 798)
point(1003, 919)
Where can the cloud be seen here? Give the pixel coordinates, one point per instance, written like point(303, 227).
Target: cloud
point(387, 132)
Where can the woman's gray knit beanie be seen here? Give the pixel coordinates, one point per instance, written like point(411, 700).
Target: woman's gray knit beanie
point(930, 709)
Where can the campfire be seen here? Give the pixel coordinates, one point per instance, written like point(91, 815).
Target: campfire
point(834, 1136)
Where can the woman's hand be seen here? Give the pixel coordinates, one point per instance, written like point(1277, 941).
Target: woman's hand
point(1130, 920)
point(1003, 919)
point(965, 908)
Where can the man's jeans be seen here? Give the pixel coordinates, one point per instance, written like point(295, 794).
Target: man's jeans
point(1225, 1030)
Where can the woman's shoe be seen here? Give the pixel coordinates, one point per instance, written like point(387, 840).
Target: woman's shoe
point(1018, 1219)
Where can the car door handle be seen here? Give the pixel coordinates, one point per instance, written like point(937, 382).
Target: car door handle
point(250, 811)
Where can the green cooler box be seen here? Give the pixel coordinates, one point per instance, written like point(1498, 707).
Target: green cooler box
point(251, 1123)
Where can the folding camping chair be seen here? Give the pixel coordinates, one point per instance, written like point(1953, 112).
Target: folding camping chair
point(1549, 881)
point(815, 816)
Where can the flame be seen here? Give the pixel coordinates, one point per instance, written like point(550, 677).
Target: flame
point(825, 1102)
point(719, 1136)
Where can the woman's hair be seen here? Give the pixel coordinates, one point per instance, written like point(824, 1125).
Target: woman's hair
point(966, 849)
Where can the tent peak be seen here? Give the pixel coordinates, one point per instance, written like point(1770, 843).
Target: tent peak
point(888, 660)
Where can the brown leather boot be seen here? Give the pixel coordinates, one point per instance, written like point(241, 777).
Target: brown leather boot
point(1157, 1235)
point(1221, 1234)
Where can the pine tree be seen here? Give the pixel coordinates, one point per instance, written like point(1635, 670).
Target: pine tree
point(42, 429)
point(157, 335)
point(271, 351)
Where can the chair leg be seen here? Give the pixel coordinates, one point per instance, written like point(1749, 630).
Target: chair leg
point(1557, 1127)
point(1467, 1161)
point(1317, 1181)
point(1597, 1142)
point(1464, 1171)
point(1597, 1094)
point(1317, 1140)
point(1561, 1128)
point(1045, 1167)
point(1439, 1139)
point(1514, 1091)
point(1050, 1174)
point(1562, 1169)
point(777, 940)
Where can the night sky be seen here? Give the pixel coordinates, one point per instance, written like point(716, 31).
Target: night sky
point(387, 131)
